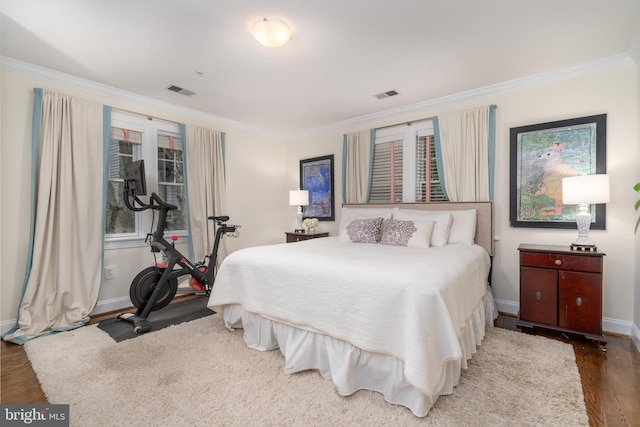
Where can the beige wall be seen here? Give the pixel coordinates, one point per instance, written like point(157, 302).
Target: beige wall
point(636, 299)
point(260, 171)
point(255, 186)
point(610, 92)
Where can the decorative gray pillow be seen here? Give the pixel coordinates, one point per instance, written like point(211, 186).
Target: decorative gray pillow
point(415, 234)
point(364, 230)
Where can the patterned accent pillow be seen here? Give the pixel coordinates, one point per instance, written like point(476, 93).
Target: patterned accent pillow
point(362, 231)
point(416, 234)
point(442, 222)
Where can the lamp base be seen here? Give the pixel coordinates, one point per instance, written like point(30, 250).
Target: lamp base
point(299, 230)
point(585, 248)
point(583, 222)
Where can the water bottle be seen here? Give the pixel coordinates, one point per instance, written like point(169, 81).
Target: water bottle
point(162, 262)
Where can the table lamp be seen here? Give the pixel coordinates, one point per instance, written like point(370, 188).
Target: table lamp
point(299, 198)
point(584, 190)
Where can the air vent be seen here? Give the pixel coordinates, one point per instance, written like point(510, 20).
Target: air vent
point(180, 90)
point(386, 94)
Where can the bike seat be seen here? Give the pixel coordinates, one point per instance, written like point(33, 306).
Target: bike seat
point(223, 218)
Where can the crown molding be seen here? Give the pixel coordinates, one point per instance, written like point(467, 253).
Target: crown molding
point(634, 49)
point(586, 68)
point(36, 71)
point(583, 69)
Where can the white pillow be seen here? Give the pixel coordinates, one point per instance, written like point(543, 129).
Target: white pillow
point(364, 213)
point(362, 230)
point(349, 214)
point(463, 226)
point(415, 234)
point(441, 229)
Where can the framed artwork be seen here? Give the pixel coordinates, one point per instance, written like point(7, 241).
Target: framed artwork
point(543, 154)
point(316, 176)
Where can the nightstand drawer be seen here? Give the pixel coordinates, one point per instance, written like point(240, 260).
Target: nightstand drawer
point(561, 262)
point(299, 237)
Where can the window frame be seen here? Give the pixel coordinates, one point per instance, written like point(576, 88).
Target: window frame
point(409, 132)
point(148, 151)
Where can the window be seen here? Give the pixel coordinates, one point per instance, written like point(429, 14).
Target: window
point(386, 180)
point(404, 165)
point(428, 187)
point(124, 148)
point(171, 179)
point(159, 144)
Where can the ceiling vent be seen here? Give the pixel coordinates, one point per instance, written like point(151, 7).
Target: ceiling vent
point(386, 94)
point(180, 90)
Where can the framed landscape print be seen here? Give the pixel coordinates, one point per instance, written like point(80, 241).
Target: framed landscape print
point(541, 155)
point(316, 176)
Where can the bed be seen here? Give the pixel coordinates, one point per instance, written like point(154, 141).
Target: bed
point(396, 303)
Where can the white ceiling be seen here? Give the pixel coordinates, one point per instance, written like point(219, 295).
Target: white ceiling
point(343, 52)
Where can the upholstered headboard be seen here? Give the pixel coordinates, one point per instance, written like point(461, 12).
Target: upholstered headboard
point(484, 226)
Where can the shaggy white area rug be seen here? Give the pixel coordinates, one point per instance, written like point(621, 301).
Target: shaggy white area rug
point(201, 374)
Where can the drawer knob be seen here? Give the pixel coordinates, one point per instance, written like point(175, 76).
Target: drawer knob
point(579, 301)
point(558, 262)
point(538, 295)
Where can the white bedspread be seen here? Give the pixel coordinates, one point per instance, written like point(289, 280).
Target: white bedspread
point(408, 303)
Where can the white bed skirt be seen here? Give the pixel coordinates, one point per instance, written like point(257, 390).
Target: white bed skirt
point(351, 368)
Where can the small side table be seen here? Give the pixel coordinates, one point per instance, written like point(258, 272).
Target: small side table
point(561, 289)
point(299, 237)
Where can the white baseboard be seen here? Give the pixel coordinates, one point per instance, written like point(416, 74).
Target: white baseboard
point(504, 306)
point(6, 326)
point(101, 307)
point(635, 336)
point(608, 324)
point(508, 307)
point(111, 305)
point(616, 326)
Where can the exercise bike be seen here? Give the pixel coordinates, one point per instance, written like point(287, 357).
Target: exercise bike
point(155, 287)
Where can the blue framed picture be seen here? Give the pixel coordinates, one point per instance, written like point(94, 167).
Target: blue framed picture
point(316, 176)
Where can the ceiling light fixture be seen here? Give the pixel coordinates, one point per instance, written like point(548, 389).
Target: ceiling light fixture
point(271, 32)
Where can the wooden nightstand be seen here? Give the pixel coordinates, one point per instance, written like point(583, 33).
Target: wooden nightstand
point(561, 289)
point(298, 237)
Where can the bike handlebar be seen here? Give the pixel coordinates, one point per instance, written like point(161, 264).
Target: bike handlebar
point(159, 204)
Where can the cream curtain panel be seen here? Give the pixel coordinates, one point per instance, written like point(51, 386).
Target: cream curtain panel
point(465, 141)
point(357, 158)
point(206, 188)
point(64, 265)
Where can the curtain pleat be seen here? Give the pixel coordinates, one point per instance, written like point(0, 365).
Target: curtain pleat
point(357, 159)
point(466, 154)
point(64, 276)
point(206, 188)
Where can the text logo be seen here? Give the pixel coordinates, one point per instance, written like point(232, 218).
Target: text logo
point(34, 415)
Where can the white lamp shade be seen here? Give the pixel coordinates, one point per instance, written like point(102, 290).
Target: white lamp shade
point(271, 32)
point(298, 197)
point(590, 189)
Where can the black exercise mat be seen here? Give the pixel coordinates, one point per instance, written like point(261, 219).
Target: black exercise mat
point(174, 313)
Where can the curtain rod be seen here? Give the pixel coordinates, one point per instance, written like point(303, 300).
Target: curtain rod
point(409, 123)
point(146, 116)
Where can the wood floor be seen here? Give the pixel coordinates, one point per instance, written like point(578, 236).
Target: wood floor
point(610, 379)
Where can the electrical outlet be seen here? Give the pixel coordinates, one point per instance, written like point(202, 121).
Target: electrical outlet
point(109, 272)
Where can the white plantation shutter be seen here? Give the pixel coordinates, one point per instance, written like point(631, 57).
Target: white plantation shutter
point(404, 165)
point(126, 135)
point(428, 188)
point(386, 182)
point(120, 137)
point(171, 142)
